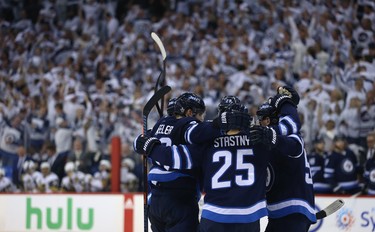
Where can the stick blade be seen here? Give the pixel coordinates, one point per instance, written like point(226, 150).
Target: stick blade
point(157, 40)
point(330, 209)
point(155, 98)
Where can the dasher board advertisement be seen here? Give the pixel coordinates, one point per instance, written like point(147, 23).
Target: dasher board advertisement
point(73, 213)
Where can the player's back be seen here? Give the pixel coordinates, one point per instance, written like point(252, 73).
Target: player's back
point(234, 180)
point(290, 187)
point(170, 131)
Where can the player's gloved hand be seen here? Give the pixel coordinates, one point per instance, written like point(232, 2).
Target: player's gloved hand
point(289, 91)
point(148, 132)
point(233, 121)
point(264, 135)
point(144, 144)
point(279, 99)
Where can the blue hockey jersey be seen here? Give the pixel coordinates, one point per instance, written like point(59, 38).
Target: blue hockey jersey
point(234, 175)
point(369, 175)
point(170, 131)
point(317, 164)
point(341, 171)
point(290, 186)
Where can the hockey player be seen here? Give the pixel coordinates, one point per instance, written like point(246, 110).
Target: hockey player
point(74, 181)
point(174, 195)
point(104, 175)
point(49, 181)
point(369, 172)
point(6, 185)
point(342, 169)
point(30, 177)
point(207, 131)
point(317, 160)
point(290, 194)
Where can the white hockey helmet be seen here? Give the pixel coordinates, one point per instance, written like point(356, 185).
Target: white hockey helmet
point(69, 167)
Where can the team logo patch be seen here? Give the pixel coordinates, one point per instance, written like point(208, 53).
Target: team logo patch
point(372, 176)
point(270, 177)
point(362, 37)
point(347, 166)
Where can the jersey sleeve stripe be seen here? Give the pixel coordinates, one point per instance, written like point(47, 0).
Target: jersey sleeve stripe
point(283, 129)
point(234, 215)
point(176, 158)
point(188, 133)
point(296, 137)
point(289, 206)
point(288, 120)
point(188, 157)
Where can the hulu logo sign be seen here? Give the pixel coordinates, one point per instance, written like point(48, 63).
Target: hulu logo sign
point(66, 215)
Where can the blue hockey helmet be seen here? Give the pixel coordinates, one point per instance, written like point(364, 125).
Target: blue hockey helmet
point(266, 110)
point(188, 101)
point(235, 107)
point(240, 120)
point(227, 101)
point(171, 105)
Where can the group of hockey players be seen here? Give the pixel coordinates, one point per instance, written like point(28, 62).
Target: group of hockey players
point(247, 167)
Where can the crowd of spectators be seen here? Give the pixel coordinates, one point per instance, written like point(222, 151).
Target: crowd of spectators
point(75, 73)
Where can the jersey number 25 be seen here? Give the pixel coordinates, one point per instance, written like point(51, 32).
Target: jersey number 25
point(240, 180)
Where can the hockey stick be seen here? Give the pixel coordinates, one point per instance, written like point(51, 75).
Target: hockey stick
point(161, 79)
point(146, 111)
point(330, 209)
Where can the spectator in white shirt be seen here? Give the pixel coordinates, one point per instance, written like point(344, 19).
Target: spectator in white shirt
point(63, 136)
point(112, 24)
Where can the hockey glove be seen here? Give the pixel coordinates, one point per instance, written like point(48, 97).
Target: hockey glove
point(264, 135)
point(233, 121)
point(291, 92)
point(144, 144)
point(279, 99)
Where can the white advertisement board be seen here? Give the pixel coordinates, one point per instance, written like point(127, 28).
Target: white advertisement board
point(73, 213)
point(357, 215)
point(124, 213)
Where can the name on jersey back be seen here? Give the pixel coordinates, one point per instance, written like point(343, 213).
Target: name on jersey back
point(164, 129)
point(232, 141)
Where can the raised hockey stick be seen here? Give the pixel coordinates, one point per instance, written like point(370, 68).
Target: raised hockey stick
point(161, 79)
point(330, 209)
point(146, 111)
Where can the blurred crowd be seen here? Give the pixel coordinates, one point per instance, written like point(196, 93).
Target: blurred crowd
point(75, 73)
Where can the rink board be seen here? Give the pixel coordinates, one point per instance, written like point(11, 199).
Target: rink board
point(124, 213)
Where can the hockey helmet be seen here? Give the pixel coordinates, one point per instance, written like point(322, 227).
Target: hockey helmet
point(226, 101)
point(188, 101)
point(235, 107)
point(239, 121)
point(170, 107)
point(28, 165)
point(69, 167)
point(266, 110)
